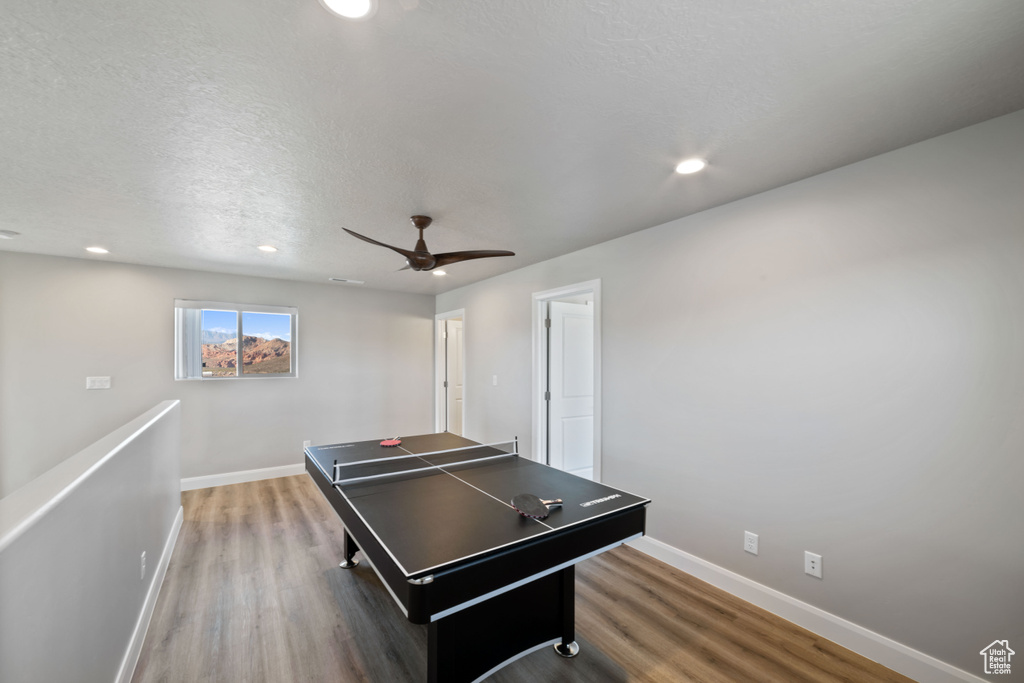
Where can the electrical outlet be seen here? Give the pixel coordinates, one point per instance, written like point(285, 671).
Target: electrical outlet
point(812, 563)
point(142, 575)
point(750, 542)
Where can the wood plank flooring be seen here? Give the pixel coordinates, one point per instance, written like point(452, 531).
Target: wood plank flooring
point(254, 594)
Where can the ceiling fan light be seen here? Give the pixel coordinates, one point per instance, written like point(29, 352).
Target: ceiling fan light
point(351, 9)
point(691, 166)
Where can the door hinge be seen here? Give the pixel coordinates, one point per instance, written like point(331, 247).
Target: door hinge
point(547, 395)
point(547, 322)
point(446, 384)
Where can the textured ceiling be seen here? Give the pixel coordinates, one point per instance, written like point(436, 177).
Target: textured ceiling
point(185, 134)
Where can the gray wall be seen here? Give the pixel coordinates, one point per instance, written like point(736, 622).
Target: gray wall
point(71, 585)
point(365, 365)
point(836, 365)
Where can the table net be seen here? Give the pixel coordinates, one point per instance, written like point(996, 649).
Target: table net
point(397, 461)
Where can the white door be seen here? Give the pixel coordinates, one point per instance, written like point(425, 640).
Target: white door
point(453, 375)
point(571, 387)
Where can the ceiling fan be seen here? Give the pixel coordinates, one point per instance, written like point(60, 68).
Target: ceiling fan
point(421, 259)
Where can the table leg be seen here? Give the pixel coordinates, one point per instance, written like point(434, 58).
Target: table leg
point(465, 645)
point(568, 647)
point(349, 549)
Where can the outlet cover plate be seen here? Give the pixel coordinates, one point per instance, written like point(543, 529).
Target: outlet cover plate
point(750, 542)
point(812, 564)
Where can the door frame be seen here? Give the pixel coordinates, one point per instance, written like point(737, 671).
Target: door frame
point(440, 397)
point(540, 367)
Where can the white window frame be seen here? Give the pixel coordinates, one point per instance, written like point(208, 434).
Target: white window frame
point(184, 351)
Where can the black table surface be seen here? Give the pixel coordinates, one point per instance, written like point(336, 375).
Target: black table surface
point(435, 518)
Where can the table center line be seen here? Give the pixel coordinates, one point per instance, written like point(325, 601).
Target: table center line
point(506, 504)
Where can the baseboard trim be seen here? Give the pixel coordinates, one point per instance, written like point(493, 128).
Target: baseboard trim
point(874, 646)
point(241, 477)
point(131, 657)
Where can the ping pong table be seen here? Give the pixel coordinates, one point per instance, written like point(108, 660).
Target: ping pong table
point(433, 518)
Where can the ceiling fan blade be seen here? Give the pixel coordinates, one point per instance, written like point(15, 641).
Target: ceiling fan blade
point(404, 252)
point(456, 256)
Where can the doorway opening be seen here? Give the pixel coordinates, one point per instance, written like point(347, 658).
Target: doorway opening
point(567, 378)
point(449, 367)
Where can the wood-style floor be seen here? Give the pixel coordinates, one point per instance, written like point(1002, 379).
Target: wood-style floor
point(254, 594)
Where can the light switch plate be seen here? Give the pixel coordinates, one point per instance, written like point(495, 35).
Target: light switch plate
point(97, 382)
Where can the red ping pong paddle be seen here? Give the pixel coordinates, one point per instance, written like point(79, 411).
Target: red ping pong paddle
point(391, 443)
point(529, 505)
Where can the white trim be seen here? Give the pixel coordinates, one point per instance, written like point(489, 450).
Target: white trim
point(316, 463)
point(527, 651)
point(226, 306)
point(522, 582)
point(417, 470)
point(550, 530)
point(381, 542)
point(181, 369)
point(131, 656)
point(440, 424)
point(646, 501)
point(507, 504)
point(876, 647)
point(380, 576)
point(540, 368)
point(361, 552)
point(409, 575)
point(242, 477)
point(20, 510)
point(426, 454)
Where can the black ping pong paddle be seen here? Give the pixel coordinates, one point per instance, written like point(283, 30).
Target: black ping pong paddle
point(529, 505)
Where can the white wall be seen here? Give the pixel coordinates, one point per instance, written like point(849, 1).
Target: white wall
point(836, 365)
point(75, 602)
point(365, 365)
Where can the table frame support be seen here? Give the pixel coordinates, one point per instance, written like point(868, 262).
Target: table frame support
point(469, 644)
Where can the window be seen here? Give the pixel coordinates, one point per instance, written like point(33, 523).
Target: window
point(207, 334)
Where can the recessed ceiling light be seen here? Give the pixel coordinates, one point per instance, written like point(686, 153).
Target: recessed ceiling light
point(439, 272)
point(8, 234)
point(266, 247)
point(691, 166)
point(97, 250)
point(351, 9)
